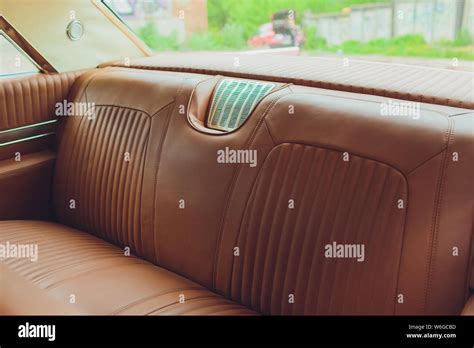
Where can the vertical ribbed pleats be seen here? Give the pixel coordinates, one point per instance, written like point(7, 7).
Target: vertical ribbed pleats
point(103, 170)
point(282, 249)
point(32, 99)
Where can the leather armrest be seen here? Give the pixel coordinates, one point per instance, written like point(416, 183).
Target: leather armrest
point(469, 306)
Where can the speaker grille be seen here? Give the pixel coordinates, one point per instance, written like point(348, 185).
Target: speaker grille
point(233, 101)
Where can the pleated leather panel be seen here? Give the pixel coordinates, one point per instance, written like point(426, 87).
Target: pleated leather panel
point(62, 252)
point(103, 280)
point(99, 174)
point(282, 267)
point(32, 99)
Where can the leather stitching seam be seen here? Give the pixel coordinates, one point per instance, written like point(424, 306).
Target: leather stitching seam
point(235, 175)
point(432, 250)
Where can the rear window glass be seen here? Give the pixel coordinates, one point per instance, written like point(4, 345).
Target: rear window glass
point(12, 60)
point(436, 33)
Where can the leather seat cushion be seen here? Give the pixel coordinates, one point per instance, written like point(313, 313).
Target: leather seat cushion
point(69, 261)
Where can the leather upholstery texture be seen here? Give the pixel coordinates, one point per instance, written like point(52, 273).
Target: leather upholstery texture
point(415, 83)
point(253, 238)
point(27, 150)
point(31, 99)
point(333, 201)
point(469, 307)
point(89, 276)
point(26, 186)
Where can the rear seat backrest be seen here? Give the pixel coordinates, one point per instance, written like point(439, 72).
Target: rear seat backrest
point(187, 239)
point(101, 163)
point(307, 197)
point(410, 266)
point(236, 232)
point(136, 204)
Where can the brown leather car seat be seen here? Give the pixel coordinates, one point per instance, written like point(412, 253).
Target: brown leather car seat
point(401, 194)
point(97, 191)
point(213, 238)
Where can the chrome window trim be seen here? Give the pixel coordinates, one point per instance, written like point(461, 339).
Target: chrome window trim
point(27, 126)
point(26, 139)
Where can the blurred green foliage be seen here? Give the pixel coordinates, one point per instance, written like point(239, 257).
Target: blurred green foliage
point(233, 22)
point(150, 35)
point(411, 45)
point(463, 38)
point(250, 14)
point(229, 38)
point(312, 40)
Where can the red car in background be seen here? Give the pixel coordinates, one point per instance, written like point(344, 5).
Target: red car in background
point(281, 32)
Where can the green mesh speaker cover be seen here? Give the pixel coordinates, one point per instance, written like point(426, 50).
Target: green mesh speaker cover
point(233, 101)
